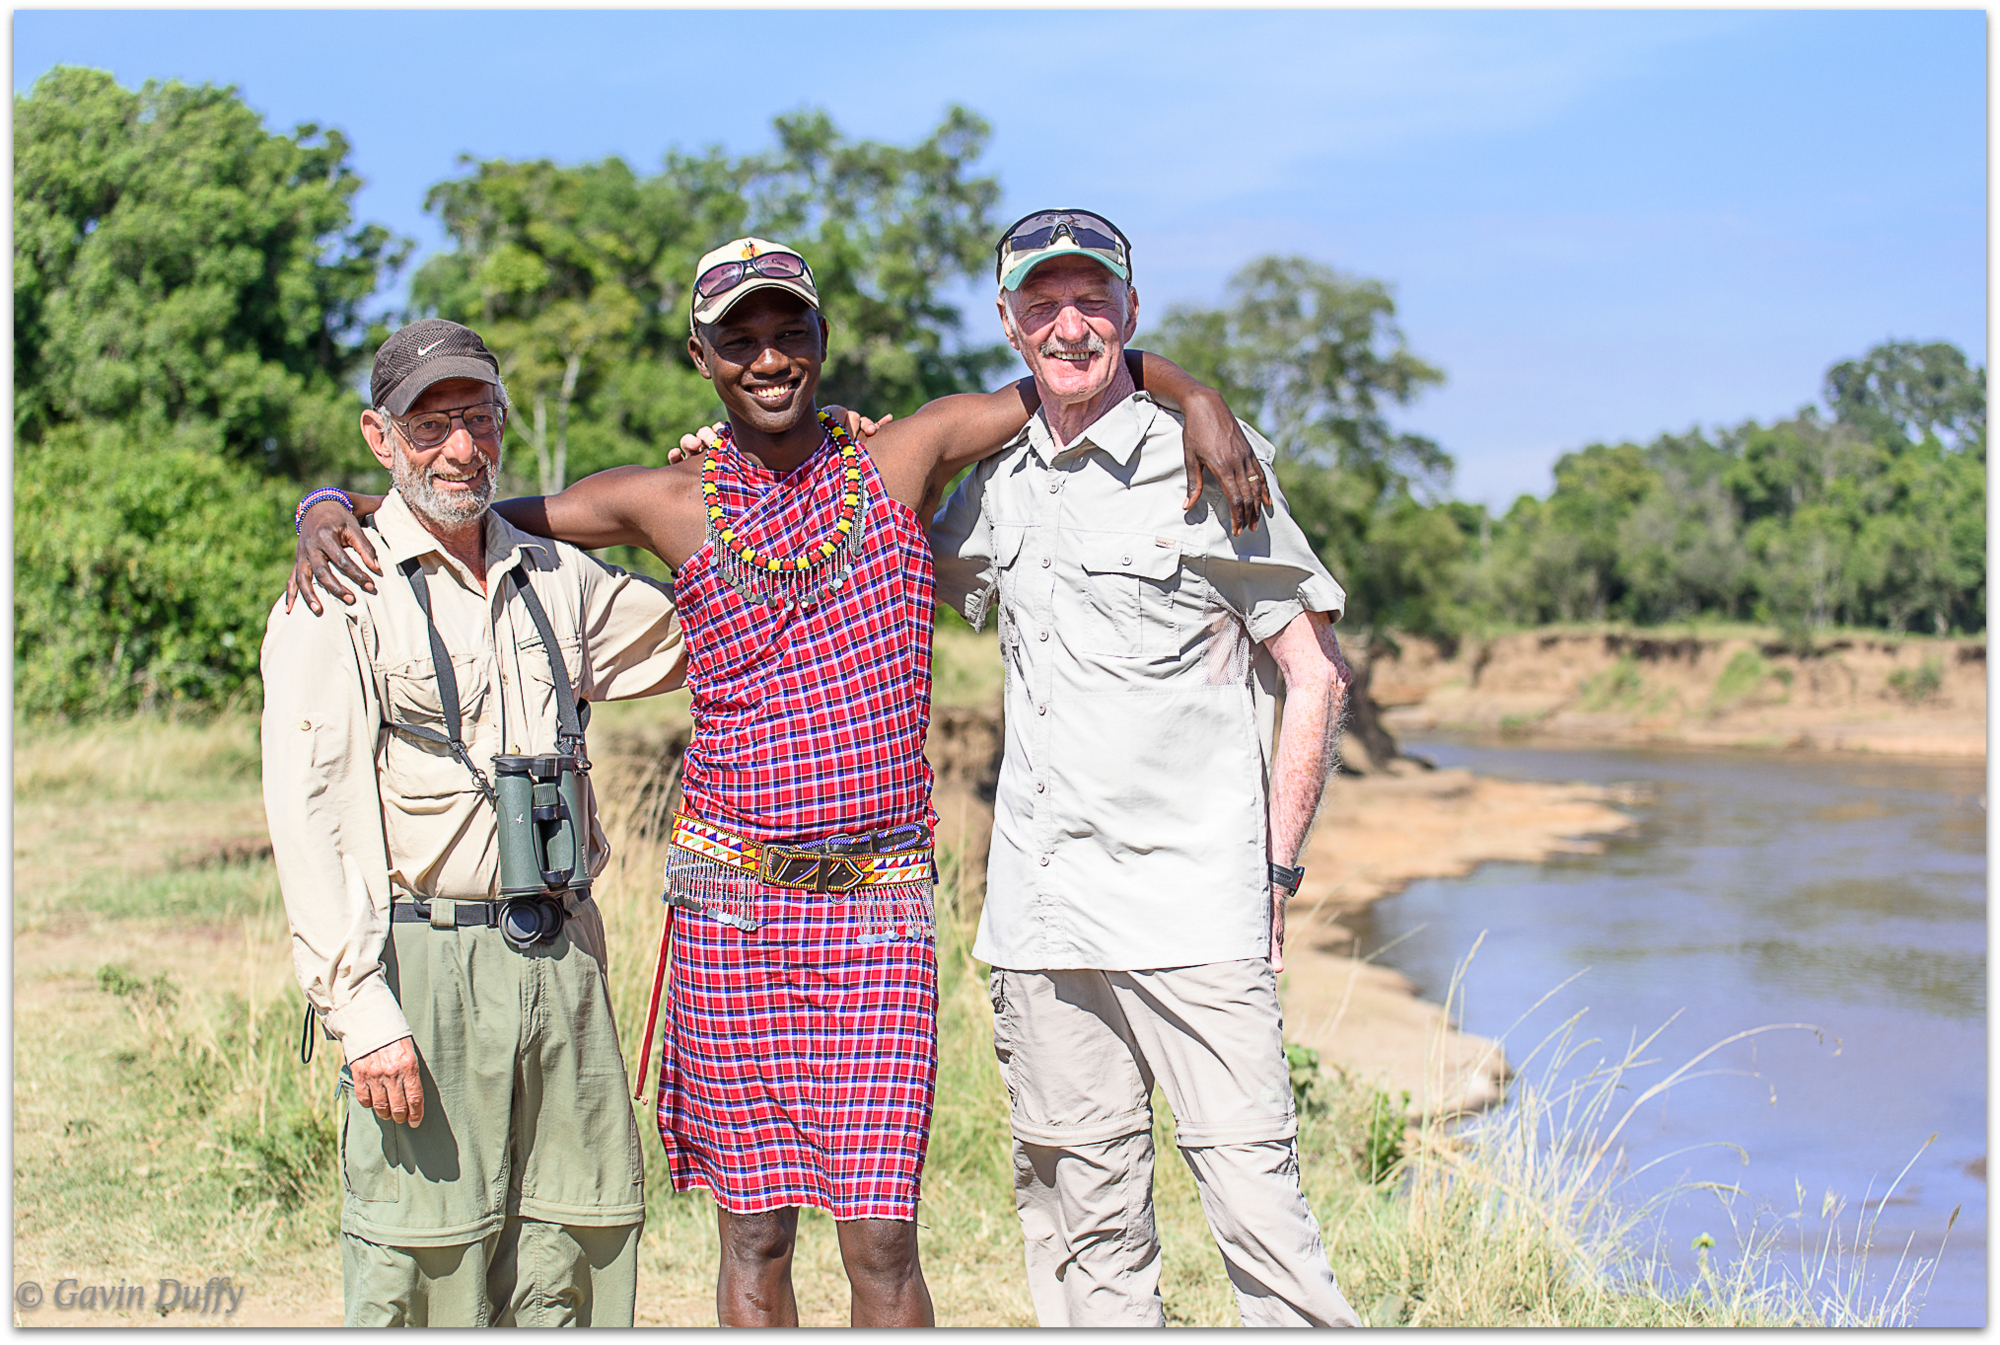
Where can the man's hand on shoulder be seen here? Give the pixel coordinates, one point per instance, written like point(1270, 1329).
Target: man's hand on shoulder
point(326, 534)
point(388, 1083)
point(1212, 438)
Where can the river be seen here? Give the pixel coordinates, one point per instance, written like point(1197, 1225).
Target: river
point(1846, 892)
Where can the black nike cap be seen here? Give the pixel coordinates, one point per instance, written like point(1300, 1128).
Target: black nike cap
point(427, 351)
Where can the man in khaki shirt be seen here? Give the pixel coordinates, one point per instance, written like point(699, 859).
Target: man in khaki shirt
point(489, 1158)
point(1146, 823)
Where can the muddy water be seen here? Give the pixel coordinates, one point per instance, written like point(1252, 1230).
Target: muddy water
point(1845, 892)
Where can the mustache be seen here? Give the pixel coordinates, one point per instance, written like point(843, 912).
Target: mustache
point(1090, 345)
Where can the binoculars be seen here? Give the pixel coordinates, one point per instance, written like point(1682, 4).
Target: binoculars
point(542, 840)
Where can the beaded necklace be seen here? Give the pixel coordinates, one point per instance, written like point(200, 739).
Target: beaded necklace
point(788, 581)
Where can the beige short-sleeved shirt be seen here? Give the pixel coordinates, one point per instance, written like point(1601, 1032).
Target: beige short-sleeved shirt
point(358, 812)
point(1129, 830)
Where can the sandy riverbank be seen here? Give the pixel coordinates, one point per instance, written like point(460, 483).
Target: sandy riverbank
point(1732, 687)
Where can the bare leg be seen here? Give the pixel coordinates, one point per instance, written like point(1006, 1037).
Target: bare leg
point(884, 1277)
point(753, 1286)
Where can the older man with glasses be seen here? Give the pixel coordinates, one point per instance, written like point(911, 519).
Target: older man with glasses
point(1145, 830)
point(488, 1158)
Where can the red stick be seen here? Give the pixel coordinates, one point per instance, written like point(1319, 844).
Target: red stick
point(650, 1049)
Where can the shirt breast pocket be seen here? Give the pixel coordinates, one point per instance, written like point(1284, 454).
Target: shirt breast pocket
point(541, 679)
point(419, 768)
point(1130, 588)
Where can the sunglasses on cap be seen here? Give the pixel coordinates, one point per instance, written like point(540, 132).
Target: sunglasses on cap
point(726, 276)
point(1091, 232)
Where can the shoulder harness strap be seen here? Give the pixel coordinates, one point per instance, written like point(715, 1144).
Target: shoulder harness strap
point(570, 720)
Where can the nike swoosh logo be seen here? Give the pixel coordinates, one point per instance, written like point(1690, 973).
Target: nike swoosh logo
point(425, 350)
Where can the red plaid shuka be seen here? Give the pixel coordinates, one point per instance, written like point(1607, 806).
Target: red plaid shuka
point(800, 1055)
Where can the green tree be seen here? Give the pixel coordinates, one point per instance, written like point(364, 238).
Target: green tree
point(1314, 358)
point(573, 275)
point(179, 269)
point(143, 572)
point(187, 293)
point(1912, 390)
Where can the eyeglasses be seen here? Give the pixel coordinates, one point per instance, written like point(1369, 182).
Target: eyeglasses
point(428, 429)
point(726, 276)
point(1091, 232)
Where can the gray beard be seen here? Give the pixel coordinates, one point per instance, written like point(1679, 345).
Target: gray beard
point(426, 501)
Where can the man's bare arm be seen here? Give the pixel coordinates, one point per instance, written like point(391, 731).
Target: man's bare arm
point(916, 453)
point(1316, 681)
point(621, 506)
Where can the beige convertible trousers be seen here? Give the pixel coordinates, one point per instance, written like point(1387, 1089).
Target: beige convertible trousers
point(1079, 1051)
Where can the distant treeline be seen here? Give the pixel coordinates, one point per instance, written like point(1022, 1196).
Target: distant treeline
point(188, 345)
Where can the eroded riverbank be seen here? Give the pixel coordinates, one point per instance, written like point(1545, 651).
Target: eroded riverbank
point(1739, 688)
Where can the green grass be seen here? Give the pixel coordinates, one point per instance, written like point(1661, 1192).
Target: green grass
point(1919, 684)
point(1617, 687)
point(163, 1123)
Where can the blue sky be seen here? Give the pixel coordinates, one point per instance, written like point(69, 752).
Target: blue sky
point(1601, 225)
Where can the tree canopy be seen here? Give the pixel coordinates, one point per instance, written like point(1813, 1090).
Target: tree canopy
point(187, 292)
point(185, 274)
point(189, 342)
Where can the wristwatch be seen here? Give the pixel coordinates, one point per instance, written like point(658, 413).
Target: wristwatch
point(1289, 879)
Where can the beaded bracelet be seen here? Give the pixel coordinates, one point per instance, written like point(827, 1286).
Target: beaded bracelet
point(323, 493)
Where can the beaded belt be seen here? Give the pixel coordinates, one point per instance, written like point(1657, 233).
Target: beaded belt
point(848, 863)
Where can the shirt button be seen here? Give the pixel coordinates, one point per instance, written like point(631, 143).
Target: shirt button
point(1041, 709)
point(1054, 486)
point(1042, 636)
point(1045, 562)
point(1040, 785)
point(1045, 861)
point(305, 726)
point(1125, 560)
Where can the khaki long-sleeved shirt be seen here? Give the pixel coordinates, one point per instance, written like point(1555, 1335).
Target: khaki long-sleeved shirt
point(359, 813)
point(1129, 826)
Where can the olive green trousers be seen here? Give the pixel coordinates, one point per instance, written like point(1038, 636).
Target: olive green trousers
point(527, 1274)
point(520, 1197)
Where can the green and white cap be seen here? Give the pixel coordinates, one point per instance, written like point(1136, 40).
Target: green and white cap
point(1037, 237)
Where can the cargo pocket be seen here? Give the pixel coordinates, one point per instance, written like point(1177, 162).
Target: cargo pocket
point(365, 1171)
point(1003, 1034)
